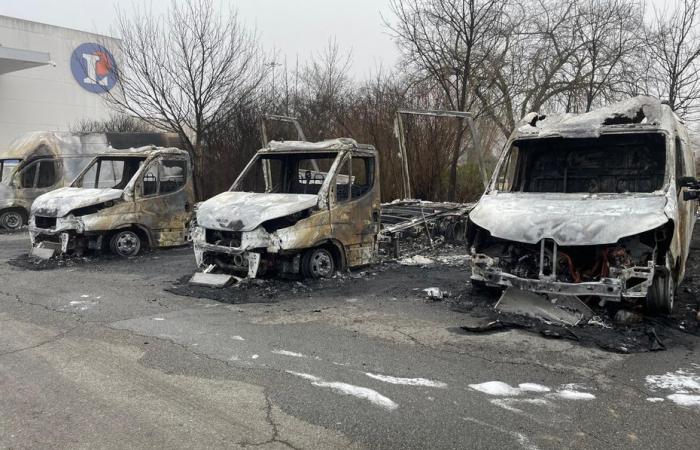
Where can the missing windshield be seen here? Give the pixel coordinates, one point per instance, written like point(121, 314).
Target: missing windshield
point(7, 166)
point(286, 174)
point(109, 173)
point(607, 164)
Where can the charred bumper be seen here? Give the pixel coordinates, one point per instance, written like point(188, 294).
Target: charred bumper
point(627, 283)
point(61, 235)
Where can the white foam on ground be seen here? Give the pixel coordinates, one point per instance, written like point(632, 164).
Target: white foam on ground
point(506, 390)
point(363, 393)
point(288, 353)
point(680, 382)
point(407, 381)
point(510, 403)
point(158, 318)
point(568, 394)
point(684, 399)
point(496, 388)
point(416, 260)
point(655, 399)
point(533, 387)
point(237, 338)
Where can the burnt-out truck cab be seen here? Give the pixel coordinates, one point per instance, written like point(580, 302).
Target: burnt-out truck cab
point(124, 199)
point(297, 207)
point(38, 162)
point(590, 205)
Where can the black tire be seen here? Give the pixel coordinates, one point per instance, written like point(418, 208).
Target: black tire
point(318, 263)
point(125, 243)
point(12, 219)
point(661, 294)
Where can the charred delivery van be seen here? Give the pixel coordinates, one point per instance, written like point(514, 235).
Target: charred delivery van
point(124, 199)
point(590, 205)
point(297, 207)
point(36, 163)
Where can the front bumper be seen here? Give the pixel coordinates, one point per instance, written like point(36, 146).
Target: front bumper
point(67, 235)
point(627, 283)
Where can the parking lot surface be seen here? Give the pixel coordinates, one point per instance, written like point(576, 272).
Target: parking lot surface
point(101, 353)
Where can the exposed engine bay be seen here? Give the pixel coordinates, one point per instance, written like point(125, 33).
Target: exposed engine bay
point(621, 270)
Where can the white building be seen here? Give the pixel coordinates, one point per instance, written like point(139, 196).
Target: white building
point(51, 77)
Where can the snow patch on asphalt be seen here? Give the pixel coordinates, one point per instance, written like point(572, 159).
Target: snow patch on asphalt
point(288, 353)
point(237, 338)
point(416, 260)
point(83, 305)
point(684, 399)
point(655, 399)
point(511, 404)
point(360, 392)
point(500, 388)
point(684, 385)
point(568, 394)
point(407, 381)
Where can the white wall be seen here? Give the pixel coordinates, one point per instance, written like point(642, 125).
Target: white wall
point(45, 98)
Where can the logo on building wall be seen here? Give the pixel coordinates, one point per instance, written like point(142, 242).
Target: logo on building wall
point(93, 68)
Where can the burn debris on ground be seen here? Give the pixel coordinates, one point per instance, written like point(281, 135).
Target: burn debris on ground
point(648, 334)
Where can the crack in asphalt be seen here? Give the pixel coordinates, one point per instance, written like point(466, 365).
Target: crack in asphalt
point(56, 338)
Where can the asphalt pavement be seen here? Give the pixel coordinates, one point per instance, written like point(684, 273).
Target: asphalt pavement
point(98, 353)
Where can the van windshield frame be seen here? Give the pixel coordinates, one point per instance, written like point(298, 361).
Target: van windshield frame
point(8, 167)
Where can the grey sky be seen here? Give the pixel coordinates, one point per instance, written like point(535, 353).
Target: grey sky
point(292, 27)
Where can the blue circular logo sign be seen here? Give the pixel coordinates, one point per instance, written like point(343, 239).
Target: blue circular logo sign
point(93, 68)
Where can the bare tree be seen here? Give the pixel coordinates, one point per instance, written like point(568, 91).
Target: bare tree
point(673, 42)
point(448, 42)
point(187, 71)
point(117, 123)
point(611, 34)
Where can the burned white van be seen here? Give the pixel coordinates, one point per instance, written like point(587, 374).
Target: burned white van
point(39, 162)
point(124, 199)
point(36, 163)
point(590, 205)
point(297, 207)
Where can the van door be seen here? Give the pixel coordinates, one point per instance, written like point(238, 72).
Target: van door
point(163, 203)
point(685, 167)
point(355, 207)
point(36, 178)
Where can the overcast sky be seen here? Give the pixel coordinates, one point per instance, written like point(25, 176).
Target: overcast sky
point(292, 27)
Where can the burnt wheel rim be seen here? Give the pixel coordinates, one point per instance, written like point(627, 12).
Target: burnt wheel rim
point(127, 243)
point(11, 220)
point(321, 264)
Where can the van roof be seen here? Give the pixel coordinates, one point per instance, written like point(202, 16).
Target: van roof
point(51, 143)
point(637, 113)
point(145, 151)
point(331, 145)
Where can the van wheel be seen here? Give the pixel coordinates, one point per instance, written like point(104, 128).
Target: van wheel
point(661, 294)
point(318, 263)
point(11, 219)
point(125, 243)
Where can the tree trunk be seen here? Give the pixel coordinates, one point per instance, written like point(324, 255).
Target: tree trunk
point(452, 189)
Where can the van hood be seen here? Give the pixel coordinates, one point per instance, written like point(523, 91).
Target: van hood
point(245, 211)
point(60, 202)
point(569, 219)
